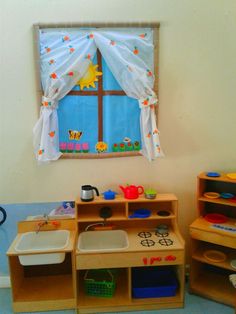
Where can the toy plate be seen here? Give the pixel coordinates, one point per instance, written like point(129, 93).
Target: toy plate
point(216, 218)
point(231, 175)
point(211, 195)
point(214, 256)
point(213, 174)
point(226, 195)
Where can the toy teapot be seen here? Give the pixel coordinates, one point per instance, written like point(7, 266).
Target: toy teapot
point(132, 191)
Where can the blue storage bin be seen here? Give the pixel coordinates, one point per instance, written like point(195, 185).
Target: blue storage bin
point(153, 282)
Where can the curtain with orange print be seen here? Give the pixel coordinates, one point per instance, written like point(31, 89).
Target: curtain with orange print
point(65, 55)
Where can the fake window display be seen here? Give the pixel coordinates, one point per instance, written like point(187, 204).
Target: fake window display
point(98, 94)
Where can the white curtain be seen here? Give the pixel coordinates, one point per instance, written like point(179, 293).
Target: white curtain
point(65, 55)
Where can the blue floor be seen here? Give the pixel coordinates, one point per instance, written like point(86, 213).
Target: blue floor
point(193, 305)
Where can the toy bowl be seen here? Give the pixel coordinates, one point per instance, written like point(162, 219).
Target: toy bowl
point(150, 194)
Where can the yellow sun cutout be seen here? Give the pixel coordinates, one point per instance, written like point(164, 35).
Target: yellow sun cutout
point(90, 77)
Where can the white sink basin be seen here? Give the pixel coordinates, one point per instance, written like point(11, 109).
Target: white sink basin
point(42, 242)
point(103, 241)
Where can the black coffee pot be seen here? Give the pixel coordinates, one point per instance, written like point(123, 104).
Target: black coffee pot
point(87, 193)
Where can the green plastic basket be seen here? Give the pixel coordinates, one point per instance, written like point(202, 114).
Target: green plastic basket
point(99, 283)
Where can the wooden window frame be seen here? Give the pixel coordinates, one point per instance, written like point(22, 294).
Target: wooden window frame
point(100, 93)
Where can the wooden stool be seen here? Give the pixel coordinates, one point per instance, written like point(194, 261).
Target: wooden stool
point(232, 278)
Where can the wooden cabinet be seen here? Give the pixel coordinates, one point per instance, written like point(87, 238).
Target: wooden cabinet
point(213, 243)
point(147, 249)
point(43, 287)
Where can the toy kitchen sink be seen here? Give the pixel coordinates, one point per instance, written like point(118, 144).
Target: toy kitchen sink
point(153, 243)
point(41, 266)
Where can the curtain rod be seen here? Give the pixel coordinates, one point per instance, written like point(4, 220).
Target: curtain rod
point(98, 24)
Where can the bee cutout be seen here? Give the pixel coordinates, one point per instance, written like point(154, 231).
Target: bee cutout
point(75, 135)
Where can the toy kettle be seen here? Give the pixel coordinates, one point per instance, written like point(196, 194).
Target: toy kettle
point(87, 194)
point(132, 191)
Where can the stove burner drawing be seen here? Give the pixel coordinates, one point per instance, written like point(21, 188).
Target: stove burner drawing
point(148, 238)
point(166, 242)
point(144, 234)
point(147, 242)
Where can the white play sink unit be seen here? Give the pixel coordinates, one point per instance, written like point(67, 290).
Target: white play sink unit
point(40, 247)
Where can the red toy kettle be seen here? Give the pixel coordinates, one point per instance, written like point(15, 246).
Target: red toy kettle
point(132, 191)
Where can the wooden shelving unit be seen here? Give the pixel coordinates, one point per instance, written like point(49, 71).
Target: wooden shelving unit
point(43, 287)
point(135, 255)
point(209, 277)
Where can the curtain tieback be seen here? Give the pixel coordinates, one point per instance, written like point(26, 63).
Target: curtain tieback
point(49, 103)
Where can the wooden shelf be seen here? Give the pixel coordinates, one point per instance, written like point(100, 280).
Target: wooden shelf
point(168, 197)
point(202, 230)
point(220, 201)
point(155, 217)
point(223, 178)
point(215, 287)
point(168, 300)
point(92, 218)
point(43, 288)
point(199, 255)
point(121, 295)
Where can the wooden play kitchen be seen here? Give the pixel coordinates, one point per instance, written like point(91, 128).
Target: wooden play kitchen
point(213, 238)
point(122, 255)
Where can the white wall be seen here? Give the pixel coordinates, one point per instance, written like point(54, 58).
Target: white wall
point(197, 99)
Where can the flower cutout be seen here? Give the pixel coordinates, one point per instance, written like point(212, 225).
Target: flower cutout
point(101, 147)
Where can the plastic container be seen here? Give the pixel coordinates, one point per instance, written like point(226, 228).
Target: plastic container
point(153, 282)
point(141, 213)
point(100, 283)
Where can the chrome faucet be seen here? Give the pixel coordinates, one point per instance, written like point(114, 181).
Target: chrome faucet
point(42, 223)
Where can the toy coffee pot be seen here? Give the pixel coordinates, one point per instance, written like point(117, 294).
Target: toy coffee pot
point(132, 191)
point(87, 193)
